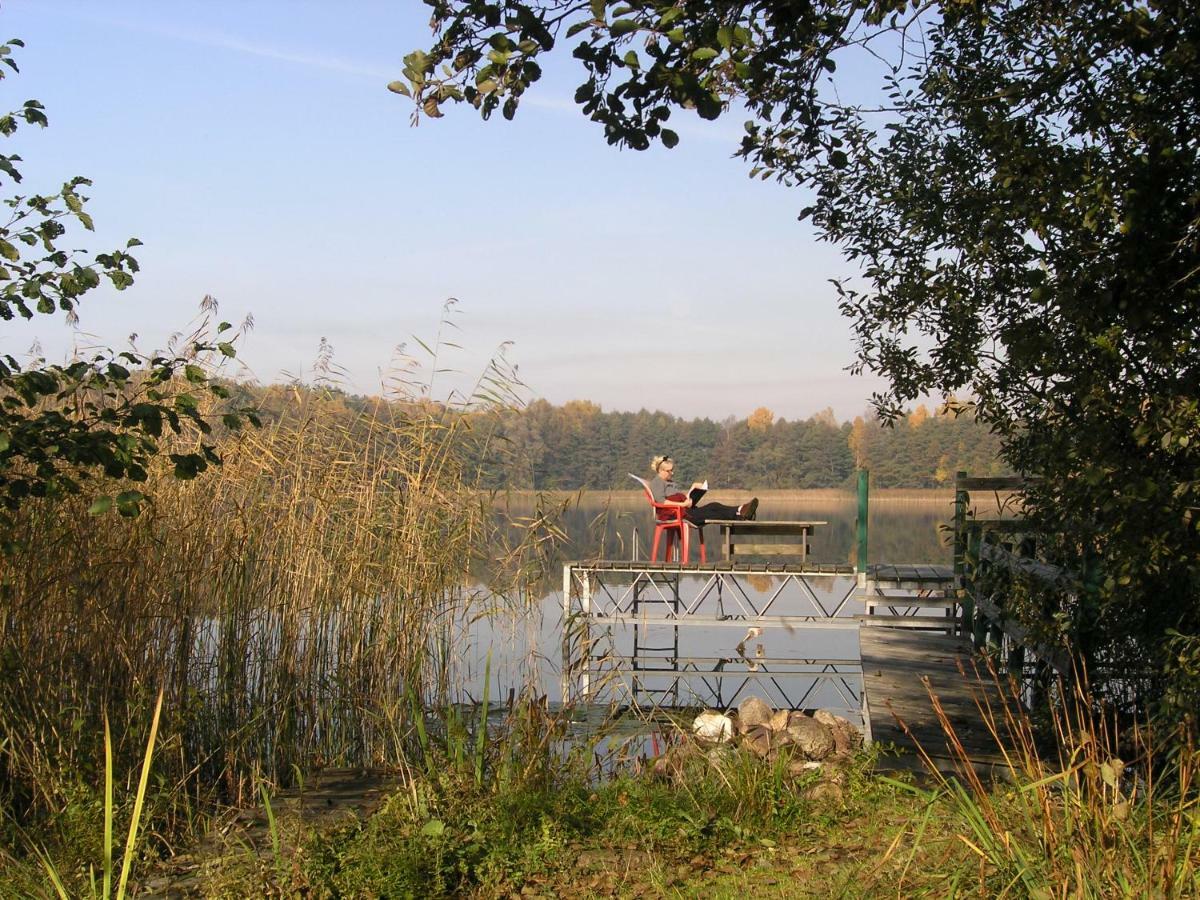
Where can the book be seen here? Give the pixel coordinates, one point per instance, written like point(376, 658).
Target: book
point(697, 492)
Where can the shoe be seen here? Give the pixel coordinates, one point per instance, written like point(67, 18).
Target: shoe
point(749, 510)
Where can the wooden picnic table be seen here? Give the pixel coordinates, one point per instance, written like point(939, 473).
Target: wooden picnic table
point(739, 537)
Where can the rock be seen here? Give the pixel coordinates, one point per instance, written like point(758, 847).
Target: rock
point(825, 792)
point(758, 740)
point(812, 738)
point(713, 727)
point(802, 766)
point(779, 721)
point(826, 718)
point(846, 737)
point(753, 712)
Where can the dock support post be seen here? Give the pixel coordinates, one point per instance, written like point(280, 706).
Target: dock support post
point(567, 662)
point(860, 559)
point(585, 642)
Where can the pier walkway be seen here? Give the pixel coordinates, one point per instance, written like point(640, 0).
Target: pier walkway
point(875, 642)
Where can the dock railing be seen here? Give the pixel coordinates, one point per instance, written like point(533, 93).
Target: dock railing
point(994, 552)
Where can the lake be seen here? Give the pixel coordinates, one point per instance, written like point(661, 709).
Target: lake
point(525, 643)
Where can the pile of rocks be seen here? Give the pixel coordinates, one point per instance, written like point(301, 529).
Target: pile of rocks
point(822, 741)
point(766, 732)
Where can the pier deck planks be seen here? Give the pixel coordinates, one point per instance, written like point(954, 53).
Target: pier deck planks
point(893, 664)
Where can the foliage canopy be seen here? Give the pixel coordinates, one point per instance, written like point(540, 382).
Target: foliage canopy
point(60, 424)
point(1022, 208)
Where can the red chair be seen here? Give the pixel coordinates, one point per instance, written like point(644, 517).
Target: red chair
point(669, 520)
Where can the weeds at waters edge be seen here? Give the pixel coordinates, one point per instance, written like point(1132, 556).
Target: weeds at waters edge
point(443, 834)
point(287, 604)
point(1085, 822)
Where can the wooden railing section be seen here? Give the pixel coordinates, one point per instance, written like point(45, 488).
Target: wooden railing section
point(981, 544)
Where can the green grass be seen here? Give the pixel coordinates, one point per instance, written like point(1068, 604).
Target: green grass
point(728, 828)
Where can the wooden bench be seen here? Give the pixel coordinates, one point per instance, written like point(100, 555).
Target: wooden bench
point(740, 537)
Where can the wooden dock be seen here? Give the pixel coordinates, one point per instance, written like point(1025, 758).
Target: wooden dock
point(896, 665)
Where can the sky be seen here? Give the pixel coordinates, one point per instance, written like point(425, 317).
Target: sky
point(254, 149)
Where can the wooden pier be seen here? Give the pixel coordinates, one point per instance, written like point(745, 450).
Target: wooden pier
point(907, 637)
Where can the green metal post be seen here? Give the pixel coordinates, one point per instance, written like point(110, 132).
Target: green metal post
point(961, 501)
point(971, 567)
point(961, 589)
point(860, 560)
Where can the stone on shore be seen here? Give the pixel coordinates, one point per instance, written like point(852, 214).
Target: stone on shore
point(753, 712)
point(713, 727)
point(758, 741)
point(811, 738)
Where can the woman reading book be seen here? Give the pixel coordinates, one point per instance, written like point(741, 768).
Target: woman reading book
point(664, 490)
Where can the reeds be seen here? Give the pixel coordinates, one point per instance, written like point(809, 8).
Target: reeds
point(1091, 812)
point(290, 605)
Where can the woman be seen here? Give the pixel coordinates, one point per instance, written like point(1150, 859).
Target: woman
point(668, 493)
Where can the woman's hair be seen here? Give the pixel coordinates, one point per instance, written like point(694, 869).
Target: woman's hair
point(656, 461)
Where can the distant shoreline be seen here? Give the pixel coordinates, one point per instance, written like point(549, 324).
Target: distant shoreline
point(826, 495)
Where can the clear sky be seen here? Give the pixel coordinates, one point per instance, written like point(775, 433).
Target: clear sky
point(254, 148)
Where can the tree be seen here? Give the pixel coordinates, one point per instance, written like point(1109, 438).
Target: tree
point(1023, 211)
point(761, 419)
point(61, 424)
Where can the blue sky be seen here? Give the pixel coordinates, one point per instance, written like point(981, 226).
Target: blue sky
point(254, 148)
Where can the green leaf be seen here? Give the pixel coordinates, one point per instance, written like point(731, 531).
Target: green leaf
point(704, 53)
point(100, 506)
point(433, 828)
point(227, 349)
point(669, 138)
point(399, 87)
point(8, 251)
point(623, 26)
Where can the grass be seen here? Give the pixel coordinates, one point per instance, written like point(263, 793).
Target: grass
point(736, 821)
point(1077, 821)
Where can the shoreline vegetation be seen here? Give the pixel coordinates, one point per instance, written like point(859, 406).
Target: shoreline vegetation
point(798, 495)
point(295, 612)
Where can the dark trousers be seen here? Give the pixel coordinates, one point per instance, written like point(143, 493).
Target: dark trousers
point(699, 515)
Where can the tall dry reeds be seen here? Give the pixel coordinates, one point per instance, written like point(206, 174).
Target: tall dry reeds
point(295, 605)
point(1100, 812)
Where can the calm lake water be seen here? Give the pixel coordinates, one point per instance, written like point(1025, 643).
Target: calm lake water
point(525, 645)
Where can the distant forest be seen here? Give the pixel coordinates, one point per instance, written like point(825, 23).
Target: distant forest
point(578, 445)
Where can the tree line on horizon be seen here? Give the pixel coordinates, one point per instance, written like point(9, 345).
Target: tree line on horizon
point(579, 445)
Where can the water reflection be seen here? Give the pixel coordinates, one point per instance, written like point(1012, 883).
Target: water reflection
point(525, 646)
